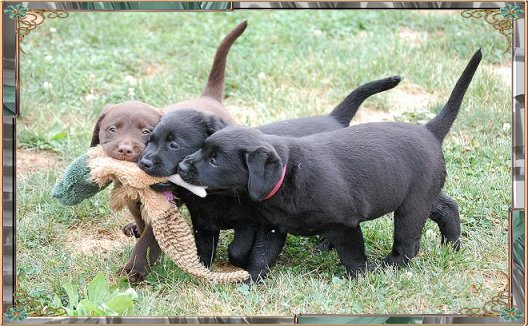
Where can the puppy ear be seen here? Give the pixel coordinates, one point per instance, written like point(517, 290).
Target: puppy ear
point(95, 134)
point(213, 124)
point(265, 170)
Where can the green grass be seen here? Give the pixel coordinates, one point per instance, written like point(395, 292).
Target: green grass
point(287, 64)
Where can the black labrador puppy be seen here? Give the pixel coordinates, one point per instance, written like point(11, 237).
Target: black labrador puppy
point(180, 133)
point(329, 183)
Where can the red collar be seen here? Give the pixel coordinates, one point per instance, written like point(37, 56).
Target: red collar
point(277, 186)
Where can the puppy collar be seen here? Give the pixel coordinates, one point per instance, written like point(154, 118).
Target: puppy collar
point(277, 186)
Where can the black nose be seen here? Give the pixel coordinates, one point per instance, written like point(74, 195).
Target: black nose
point(185, 165)
point(145, 164)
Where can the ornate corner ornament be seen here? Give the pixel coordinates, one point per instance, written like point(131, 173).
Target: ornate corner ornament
point(499, 306)
point(27, 306)
point(28, 20)
point(500, 19)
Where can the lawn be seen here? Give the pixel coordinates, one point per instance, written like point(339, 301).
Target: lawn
point(287, 64)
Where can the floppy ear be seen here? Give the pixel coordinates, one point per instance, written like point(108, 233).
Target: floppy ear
point(213, 124)
point(95, 133)
point(265, 170)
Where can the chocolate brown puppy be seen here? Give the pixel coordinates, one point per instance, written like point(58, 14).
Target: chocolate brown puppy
point(123, 130)
point(204, 110)
point(330, 183)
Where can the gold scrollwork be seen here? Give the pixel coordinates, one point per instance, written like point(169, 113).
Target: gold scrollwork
point(33, 307)
point(35, 18)
point(493, 307)
point(495, 18)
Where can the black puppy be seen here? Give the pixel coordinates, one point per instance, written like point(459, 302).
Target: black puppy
point(180, 133)
point(329, 183)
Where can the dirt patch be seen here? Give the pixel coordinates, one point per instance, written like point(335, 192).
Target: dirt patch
point(95, 241)
point(407, 98)
point(35, 161)
point(411, 37)
point(149, 70)
point(504, 72)
point(410, 97)
point(224, 267)
point(365, 115)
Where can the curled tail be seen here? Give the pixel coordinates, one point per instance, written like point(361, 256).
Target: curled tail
point(215, 83)
point(443, 121)
point(345, 111)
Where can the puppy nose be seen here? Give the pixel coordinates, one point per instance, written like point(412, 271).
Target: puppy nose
point(125, 150)
point(145, 164)
point(185, 165)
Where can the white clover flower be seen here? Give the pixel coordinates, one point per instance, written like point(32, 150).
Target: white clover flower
point(47, 85)
point(131, 80)
point(90, 97)
point(48, 58)
point(430, 233)
point(53, 30)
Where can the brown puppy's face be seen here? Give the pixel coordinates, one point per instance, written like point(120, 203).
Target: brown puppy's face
point(124, 129)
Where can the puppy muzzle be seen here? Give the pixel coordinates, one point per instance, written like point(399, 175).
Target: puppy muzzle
point(184, 166)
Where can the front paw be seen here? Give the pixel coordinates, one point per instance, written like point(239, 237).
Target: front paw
point(161, 187)
point(355, 271)
point(135, 274)
point(324, 245)
point(256, 276)
point(131, 230)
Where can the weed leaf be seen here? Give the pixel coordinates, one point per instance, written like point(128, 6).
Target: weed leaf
point(97, 289)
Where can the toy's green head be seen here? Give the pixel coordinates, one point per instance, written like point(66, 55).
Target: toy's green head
point(76, 184)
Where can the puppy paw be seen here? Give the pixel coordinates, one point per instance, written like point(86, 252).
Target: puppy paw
point(355, 271)
point(454, 243)
point(324, 245)
point(395, 261)
point(255, 277)
point(134, 274)
point(131, 230)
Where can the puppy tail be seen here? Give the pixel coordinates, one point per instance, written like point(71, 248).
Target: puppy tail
point(215, 84)
point(443, 121)
point(345, 111)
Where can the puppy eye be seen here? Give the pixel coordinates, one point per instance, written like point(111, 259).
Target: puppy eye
point(212, 160)
point(174, 145)
point(145, 132)
point(112, 129)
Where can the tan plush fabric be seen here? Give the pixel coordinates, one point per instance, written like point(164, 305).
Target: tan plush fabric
point(172, 232)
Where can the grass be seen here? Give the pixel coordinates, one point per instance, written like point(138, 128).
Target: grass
point(287, 64)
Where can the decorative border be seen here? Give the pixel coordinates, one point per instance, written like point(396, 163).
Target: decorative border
point(480, 15)
point(26, 306)
point(28, 20)
point(500, 19)
point(498, 306)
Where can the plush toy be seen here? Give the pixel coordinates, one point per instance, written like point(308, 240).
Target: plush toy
point(94, 171)
point(77, 184)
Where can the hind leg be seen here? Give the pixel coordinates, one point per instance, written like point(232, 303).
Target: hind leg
point(350, 247)
point(409, 221)
point(445, 213)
